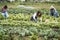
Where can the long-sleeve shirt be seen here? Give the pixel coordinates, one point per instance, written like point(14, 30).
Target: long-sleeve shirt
point(34, 16)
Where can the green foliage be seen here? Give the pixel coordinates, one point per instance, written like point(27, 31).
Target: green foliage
point(34, 37)
point(21, 25)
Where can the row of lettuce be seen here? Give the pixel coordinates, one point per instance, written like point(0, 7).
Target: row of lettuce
point(22, 29)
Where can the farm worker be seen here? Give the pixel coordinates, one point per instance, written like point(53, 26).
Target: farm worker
point(4, 12)
point(53, 12)
point(35, 15)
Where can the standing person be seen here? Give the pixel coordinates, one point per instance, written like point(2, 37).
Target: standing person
point(53, 12)
point(35, 15)
point(4, 12)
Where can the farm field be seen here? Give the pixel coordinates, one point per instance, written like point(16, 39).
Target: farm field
point(19, 26)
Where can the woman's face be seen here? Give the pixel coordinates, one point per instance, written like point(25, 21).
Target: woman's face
point(52, 8)
point(39, 14)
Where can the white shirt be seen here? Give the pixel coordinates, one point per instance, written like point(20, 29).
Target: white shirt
point(34, 15)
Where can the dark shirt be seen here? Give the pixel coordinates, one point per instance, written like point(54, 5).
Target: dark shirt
point(52, 12)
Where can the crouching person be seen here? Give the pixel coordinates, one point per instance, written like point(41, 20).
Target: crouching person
point(53, 12)
point(35, 15)
point(4, 12)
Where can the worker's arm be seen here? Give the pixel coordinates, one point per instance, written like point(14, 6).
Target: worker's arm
point(41, 19)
